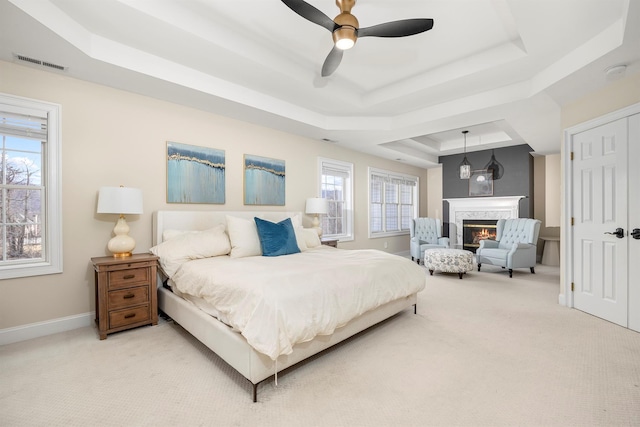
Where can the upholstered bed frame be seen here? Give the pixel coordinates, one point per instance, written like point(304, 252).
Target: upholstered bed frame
point(230, 345)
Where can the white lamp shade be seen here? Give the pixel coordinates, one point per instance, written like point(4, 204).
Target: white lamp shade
point(120, 200)
point(316, 205)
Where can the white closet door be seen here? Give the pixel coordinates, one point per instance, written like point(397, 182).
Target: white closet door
point(600, 206)
point(634, 222)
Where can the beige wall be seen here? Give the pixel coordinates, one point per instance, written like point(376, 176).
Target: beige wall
point(552, 196)
point(112, 137)
point(434, 195)
point(616, 95)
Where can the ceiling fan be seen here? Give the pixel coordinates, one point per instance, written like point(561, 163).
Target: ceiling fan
point(345, 28)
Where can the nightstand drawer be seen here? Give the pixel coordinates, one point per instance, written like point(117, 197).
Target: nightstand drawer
point(128, 317)
point(128, 297)
point(126, 278)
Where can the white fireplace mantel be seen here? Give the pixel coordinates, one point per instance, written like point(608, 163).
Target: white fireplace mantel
point(479, 208)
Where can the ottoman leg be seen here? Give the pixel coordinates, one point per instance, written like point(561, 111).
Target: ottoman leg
point(460, 275)
point(431, 272)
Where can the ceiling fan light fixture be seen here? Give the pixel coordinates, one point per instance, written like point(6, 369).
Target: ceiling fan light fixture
point(345, 28)
point(346, 31)
point(344, 37)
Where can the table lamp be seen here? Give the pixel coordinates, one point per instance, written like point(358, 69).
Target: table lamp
point(316, 206)
point(121, 201)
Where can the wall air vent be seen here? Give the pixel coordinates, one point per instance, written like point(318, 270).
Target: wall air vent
point(39, 62)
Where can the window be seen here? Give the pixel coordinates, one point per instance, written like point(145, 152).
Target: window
point(336, 185)
point(30, 220)
point(393, 202)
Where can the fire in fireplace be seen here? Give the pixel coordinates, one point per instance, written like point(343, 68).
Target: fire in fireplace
point(474, 230)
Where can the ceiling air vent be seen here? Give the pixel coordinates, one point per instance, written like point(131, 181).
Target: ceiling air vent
point(39, 62)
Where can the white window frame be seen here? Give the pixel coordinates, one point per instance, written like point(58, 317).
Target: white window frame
point(388, 176)
point(347, 209)
point(51, 263)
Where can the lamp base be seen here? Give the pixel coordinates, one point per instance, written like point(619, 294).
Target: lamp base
point(122, 255)
point(316, 224)
point(121, 245)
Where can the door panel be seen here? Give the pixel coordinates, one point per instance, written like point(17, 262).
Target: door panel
point(600, 206)
point(634, 222)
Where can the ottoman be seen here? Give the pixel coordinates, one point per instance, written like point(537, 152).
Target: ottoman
point(448, 261)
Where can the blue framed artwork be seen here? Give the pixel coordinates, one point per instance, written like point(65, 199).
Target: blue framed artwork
point(264, 181)
point(195, 174)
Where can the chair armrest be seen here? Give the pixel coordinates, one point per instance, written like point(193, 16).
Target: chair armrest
point(488, 244)
point(443, 241)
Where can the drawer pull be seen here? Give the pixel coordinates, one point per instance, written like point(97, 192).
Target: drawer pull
point(128, 296)
point(129, 276)
point(129, 316)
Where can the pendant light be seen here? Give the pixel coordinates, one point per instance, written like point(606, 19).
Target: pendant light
point(495, 167)
point(465, 167)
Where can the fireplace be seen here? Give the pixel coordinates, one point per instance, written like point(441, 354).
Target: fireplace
point(477, 208)
point(474, 230)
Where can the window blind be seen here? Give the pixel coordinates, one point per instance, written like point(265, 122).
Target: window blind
point(31, 126)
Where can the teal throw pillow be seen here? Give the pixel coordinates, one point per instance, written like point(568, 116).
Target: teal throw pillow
point(277, 238)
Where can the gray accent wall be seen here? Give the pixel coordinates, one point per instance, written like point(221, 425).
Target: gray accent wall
point(516, 181)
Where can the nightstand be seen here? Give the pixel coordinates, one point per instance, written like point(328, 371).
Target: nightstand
point(126, 294)
point(329, 242)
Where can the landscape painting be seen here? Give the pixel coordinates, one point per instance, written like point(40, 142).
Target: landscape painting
point(264, 181)
point(195, 174)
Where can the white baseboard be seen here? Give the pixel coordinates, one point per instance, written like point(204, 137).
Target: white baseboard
point(49, 327)
point(562, 300)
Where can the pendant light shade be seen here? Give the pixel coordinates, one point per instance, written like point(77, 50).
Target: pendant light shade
point(495, 167)
point(465, 167)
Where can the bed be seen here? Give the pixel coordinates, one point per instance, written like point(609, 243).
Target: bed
point(216, 292)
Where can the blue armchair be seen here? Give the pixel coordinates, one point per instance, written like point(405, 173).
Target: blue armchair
point(426, 233)
point(514, 247)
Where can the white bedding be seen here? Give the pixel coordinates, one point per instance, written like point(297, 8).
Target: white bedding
point(276, 302)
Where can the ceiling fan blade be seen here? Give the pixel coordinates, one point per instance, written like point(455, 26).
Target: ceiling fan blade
point(310, 13)
point(331, 63)
point(405, 27)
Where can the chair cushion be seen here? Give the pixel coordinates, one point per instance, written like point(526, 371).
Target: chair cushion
point(495, 253)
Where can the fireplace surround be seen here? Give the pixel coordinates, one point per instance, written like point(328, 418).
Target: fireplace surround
point(479, 208)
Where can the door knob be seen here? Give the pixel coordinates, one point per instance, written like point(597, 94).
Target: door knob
point(636, 233)
point(619, 233)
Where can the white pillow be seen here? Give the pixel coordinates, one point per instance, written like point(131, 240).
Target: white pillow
point(300, 239)
point(170, 234)
point(296, 221)
point(243, 234)
point(191, 245)
point(311, 237)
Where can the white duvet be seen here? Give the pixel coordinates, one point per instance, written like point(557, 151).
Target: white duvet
point(276, 302)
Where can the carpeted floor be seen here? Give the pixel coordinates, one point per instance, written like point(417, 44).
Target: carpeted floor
point(483, 351)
